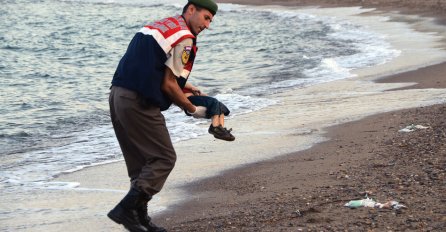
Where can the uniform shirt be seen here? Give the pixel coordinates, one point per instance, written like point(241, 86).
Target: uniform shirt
point(178, 56)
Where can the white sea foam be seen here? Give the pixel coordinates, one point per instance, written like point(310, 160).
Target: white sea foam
point(374, 48)
point(371, 47)
point(329, 70)
point(86, 149)
point(91, 165)
point(184, 128)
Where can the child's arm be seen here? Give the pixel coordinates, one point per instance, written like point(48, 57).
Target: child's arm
point(194, 89)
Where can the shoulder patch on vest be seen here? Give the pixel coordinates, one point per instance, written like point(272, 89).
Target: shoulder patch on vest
point(186, 53)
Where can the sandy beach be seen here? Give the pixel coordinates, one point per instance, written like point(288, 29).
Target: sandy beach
point(307, 190)
point(295, 173)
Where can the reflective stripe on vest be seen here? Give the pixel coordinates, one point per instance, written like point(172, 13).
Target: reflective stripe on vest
point(168, 32)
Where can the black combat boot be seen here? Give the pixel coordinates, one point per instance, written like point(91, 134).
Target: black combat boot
point(126, 212)
point(145, 219)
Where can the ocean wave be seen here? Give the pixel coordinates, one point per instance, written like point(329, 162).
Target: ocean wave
point(11, 47)
point(152, 3)
point(20, 134)
point(182, 127)
point(87, 148)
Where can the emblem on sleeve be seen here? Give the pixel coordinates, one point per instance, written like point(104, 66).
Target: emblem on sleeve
point(186, 53)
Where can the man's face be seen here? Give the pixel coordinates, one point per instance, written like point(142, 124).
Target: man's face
point(199, 19)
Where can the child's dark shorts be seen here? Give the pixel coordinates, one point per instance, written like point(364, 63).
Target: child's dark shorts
point(213, 106)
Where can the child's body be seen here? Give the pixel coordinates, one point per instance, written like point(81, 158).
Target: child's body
point(215, 111)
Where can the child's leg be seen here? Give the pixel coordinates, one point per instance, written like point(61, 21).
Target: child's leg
point(218, 120)
point(221, 120)
point(215, 120)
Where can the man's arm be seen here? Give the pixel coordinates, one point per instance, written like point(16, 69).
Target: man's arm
point(170, 88)
point(174, 67)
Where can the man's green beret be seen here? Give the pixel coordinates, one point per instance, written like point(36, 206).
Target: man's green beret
point(207, 4)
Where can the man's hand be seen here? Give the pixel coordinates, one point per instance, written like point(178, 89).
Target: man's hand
point(200, 112)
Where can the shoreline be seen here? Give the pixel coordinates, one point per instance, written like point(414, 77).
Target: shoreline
point(428, 80)
point(242, 199)
point(103, 186)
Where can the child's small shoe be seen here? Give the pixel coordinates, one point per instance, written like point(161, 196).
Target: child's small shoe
point(220, 132)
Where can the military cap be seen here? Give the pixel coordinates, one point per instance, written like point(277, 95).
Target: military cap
point(207, 4)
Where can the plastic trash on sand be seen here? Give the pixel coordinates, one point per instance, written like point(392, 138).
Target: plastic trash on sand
point(390, 205)
point(412, 128)
point(368, 202)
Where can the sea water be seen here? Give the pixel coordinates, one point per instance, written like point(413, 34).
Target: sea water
point(58, 58)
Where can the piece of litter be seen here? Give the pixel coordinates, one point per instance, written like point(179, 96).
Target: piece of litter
point(368, 202)
point(390, 205)
point(412, 127)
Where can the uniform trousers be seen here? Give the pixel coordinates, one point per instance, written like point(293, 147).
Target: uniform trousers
point(144, 140)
